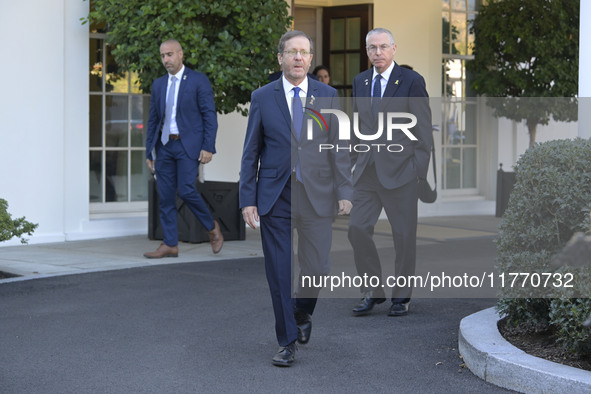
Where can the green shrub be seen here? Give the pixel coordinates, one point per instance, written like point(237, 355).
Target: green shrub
point(550, 201)
point(567, 317)
point(10, 228)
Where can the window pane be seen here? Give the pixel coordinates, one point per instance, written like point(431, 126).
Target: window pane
point(453, 78)
point(353, 33)
point(470, 49)
point(116, 176)
point(337, 34)
point(459, 28)
point(140, 110)
point(337, 69)
point(458, 5)
point(469, 168)
point(96, 121)
point(470, 130)
point(96, 65)
point(116, 81)
point(453, 128)
point(139, 176)
point(353, 67)
point(452, 168)
point(134, 83)
point(96, 176)
point(445, 26)
point(116, 125)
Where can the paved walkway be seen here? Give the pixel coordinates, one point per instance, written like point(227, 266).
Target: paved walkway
point(204, 323)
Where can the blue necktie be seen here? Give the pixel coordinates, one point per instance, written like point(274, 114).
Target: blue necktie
point(297, 113)
point(168, 111)
point(376, 95)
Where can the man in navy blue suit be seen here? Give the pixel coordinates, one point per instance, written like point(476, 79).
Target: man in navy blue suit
point(286, 183)
point(388, 179)
point(181, 134)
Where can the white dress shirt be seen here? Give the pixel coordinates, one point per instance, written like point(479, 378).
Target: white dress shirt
point(174, 129)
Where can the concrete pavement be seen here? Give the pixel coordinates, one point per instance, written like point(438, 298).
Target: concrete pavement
point(204, 323)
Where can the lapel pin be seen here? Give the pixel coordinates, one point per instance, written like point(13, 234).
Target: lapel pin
point(396, 83)
point(366, 82)
point(312, 100)
point(185, 77)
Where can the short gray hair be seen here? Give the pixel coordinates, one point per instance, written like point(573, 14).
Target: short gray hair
point(291, 34)
point(379, 30)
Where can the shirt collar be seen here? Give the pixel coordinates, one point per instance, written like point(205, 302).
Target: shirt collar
point(385, 74)
point(177, 75)
point(287, 86)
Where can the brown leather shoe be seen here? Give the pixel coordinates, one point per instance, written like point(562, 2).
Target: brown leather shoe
point(163, 251)
point(216, 238)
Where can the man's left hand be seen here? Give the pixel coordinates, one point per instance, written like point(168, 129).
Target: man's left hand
point(345, 207)
point(205, 156)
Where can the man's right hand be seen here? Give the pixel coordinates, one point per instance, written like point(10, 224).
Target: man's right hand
point(250, 215)
point(150, 164)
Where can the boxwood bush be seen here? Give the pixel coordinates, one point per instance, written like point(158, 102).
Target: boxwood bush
point(551, 200)
point(10, 227)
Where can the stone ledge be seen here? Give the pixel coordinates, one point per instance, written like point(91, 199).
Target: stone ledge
point(489, 356)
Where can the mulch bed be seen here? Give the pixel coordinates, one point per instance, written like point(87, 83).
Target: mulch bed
point(6, 275)
point(541, 344)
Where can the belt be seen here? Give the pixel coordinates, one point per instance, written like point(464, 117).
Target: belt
point(174, 137)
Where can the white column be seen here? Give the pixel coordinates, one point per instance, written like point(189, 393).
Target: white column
point(584, 66)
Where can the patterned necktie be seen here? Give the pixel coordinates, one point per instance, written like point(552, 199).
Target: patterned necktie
point(168, 111)
point(297, 113)
point(376, 95)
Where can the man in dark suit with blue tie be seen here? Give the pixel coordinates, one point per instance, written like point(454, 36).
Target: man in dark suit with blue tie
point(388, 178)
point(287, 183)
point(182, 129)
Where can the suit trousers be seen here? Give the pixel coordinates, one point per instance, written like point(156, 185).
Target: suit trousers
point(314, 242)
point(276, 240)
point(176, 171)
point(293, 211)
point(400, 205)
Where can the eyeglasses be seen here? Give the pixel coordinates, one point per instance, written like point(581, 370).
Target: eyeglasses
point(293, 53)
point(382, 48)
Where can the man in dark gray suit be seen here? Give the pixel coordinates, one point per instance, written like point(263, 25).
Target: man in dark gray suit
point(388, 179)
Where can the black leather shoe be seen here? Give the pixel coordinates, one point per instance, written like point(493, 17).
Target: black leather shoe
point(304, 322)
point(285, 355)
point(366, 304)
point(398, 309)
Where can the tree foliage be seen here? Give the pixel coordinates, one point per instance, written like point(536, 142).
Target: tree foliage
point(528, 48)
point(233, 42)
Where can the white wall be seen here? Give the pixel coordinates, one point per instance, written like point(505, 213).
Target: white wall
point(225, 166)
point(416, 27)
point(513, 138)
point(32, 74)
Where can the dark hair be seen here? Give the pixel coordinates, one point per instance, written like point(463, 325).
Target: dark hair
point(320, 67)
point(291, 34)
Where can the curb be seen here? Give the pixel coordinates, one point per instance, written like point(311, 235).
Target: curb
point(490, 357)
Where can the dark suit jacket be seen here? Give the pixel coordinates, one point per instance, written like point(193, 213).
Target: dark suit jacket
point(271, 149)
point(395, 169)
point(195, 113)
